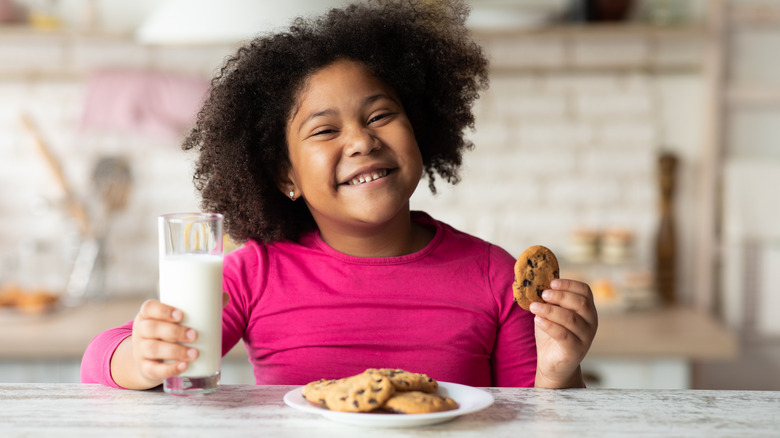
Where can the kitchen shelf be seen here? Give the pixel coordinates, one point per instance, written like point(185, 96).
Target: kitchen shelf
point(596, 31)
point(580, 42)
point(25, 31)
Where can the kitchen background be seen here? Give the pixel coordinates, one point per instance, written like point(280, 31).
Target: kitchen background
point(581, 112)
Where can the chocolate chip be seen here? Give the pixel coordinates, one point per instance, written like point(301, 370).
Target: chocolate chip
point(531, 263)
point(526, 283)
point(360, 391)
point(355, 404)
point(372, 401)
point(539, 291)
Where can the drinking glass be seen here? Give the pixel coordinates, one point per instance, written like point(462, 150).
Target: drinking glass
point(191, 280)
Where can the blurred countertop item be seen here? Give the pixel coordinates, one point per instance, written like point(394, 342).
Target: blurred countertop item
point(663, 332)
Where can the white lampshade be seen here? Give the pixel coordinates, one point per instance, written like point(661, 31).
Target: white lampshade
point(223, 21)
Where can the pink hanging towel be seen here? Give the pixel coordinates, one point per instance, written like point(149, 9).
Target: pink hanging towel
point(155, 104)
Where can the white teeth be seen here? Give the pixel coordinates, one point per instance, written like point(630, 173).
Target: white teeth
point(368, 177)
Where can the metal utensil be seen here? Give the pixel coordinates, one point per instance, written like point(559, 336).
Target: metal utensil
point(111, 178)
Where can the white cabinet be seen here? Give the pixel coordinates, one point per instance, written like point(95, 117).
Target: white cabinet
point(669, 373)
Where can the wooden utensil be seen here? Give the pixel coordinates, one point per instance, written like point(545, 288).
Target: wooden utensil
point(76, 209)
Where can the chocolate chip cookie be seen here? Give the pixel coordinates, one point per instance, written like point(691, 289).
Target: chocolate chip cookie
point(315, 391)
point(534, 270)
point(408, 381)
point(418, 402)
point(360, 393)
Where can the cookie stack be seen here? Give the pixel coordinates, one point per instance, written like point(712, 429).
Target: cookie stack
point(380, 390)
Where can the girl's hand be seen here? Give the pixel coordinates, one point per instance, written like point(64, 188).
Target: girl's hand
point(157, 338)
point(565, 327)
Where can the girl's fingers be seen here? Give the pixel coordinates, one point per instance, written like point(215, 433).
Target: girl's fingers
point(156, 370)
point(163, 331)
point(165, 351)
point(575, 296)
point(573, 286)
point(159, 321)
point(556, 331)
point(153, 309)
point(560, 323)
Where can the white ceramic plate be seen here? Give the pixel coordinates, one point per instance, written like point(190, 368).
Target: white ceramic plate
point(469, 399)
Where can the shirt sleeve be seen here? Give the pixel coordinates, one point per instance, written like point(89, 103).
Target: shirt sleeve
point(96, 362)
point(235, 282)
point(514, 353)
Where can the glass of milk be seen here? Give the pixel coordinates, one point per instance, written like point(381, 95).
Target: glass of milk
point(191, 280)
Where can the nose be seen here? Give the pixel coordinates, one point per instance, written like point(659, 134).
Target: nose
point(360, 141)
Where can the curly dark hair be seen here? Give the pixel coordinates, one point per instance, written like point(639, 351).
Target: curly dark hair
point(420, 48)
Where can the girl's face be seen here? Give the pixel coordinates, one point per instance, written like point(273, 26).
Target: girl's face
point(354, 158)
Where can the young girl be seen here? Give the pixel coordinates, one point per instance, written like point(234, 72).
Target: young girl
point(311, 143)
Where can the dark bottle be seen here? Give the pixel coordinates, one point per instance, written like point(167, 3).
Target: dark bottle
point(666, 241)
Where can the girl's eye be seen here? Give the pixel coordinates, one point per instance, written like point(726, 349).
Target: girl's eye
point(324, 132)
point(379, 117)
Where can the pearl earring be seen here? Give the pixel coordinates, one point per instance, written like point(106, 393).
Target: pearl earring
point(292, 195)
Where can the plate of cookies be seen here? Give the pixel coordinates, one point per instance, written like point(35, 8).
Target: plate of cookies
point(388, 397)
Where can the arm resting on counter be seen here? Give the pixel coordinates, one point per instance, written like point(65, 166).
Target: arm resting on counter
point(156, 350)
point(109, 360)
point(124, 370)
point(96, 362)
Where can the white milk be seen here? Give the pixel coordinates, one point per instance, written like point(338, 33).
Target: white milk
point(193, 284)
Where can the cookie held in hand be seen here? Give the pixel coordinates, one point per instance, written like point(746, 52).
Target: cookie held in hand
point(534, 270)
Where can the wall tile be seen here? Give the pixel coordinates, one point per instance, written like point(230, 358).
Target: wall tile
point(34, 54)
point(617, 51)
point(88, 54)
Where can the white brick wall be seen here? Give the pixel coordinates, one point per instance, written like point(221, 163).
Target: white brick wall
point(45, 76)
point(555, 149)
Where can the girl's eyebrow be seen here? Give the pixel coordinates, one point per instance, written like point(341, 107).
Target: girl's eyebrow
point(330, 112)
point(378, 96)
point(323, 113)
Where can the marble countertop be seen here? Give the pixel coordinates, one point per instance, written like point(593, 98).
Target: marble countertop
point(77, 410)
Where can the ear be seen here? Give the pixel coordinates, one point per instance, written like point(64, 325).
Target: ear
point(287, 184)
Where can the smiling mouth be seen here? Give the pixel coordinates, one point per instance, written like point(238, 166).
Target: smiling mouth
point(368, 177)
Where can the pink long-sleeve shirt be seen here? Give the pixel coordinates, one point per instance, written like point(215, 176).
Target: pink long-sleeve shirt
point(306, 311)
